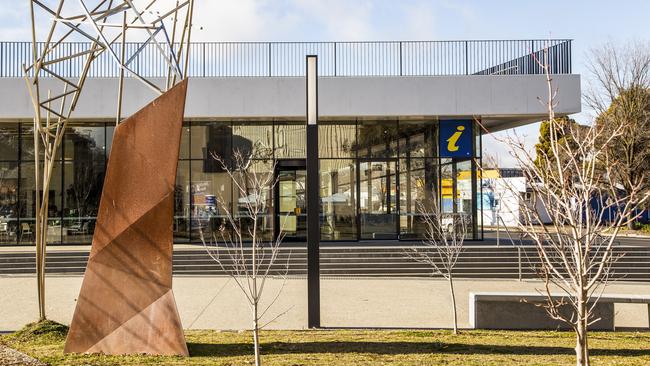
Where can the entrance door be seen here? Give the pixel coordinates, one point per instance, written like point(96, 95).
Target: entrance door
point(291, 202)
point(378, 199)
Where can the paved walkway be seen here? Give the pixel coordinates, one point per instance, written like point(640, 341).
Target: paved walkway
point(208, 302)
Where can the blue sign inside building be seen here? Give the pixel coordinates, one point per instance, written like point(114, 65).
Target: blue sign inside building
point(456, 138)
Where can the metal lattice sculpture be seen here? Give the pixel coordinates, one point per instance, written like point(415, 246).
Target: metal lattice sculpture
point(55, 92)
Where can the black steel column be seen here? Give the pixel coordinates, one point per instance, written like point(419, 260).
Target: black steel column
point(313, 199)
point(476, 153)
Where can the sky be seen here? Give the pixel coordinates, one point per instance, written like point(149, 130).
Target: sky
point(590, 23)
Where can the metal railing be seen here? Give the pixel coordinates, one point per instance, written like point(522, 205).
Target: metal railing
point(251, 59)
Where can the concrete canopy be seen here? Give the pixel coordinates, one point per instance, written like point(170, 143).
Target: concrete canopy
point(501, 101)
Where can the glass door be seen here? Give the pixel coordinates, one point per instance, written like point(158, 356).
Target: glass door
point(378, 199)
point(291, 205)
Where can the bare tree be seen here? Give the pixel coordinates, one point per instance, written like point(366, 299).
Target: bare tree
point(620, 95)
point(574, 185)
point(443, 244)
point(238, 244)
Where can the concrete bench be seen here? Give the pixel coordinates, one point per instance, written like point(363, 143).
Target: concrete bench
point(516, 310)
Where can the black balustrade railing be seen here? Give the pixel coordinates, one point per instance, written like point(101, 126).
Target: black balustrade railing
point(251, 59)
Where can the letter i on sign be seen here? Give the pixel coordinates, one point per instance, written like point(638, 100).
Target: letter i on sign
point(452, 141)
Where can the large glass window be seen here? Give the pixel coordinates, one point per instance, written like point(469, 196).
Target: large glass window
point(291, 219)
point(85, 142)
point(27, 143)
point(9, 142)
point(377, 199)
point(465, 192)
point(184, 151)
point(290, 140)
point(417, 190)
point(84, 168)
point(457, 189)
point(418, 138)
point(373, 176)
point(209, 140)
point(211, 199)
point(377, 139)
point(8, 202)
point(182, 203)
point(257, 170)
point(338, 191)
point(254, 137)
point(337, 139)
point(27, 205)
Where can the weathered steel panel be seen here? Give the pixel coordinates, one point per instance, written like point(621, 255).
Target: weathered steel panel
point(126, 304)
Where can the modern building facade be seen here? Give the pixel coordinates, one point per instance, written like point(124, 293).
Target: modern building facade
point(399, 123)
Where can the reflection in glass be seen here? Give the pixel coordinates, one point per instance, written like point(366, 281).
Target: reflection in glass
point(377, 139)
point(418, 138)
point(464, 191)
point(8, 202)
point(337, 139)
point(87, 142)
point(263, 169)
point(415, 193)
point(182, 203)
point(292, 204)
point(338, 191)
point(290, 140)
point(84, 181)
point(456, 189)
point(27, 143)
point(377, 195)
point(83, 150)
point(387, 204)
point(211, 200)
point(447, 186)
point(27, 205)
point(9, 142)
point(253, 137)
point(184, 150)
point(210, 139)
point(110, 129)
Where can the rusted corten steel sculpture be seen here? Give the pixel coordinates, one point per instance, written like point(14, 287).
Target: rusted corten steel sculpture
point(126, 304)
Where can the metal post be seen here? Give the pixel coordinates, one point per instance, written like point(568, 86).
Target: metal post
point(334, 58)
point(497, 229)
point(466, 60)
point(120, 85)
point(313, 204)
point(519, 261)
point(400, 59)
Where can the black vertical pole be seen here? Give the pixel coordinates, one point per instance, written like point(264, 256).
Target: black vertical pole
point(313, 204)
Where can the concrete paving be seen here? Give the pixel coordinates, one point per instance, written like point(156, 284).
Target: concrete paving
point(209, 302)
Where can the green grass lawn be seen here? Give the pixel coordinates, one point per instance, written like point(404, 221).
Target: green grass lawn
point(358, 347)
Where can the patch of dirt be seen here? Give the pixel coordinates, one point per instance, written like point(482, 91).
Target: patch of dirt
point(11, 357)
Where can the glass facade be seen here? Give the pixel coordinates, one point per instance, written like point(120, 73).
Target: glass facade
point(374, 174)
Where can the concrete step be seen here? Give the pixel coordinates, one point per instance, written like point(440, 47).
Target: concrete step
point(475, 262)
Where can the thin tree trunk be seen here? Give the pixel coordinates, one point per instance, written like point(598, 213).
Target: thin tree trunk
point(582, 349)
point(453, 303)
point(256, 338)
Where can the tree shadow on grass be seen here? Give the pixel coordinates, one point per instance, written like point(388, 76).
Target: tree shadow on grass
point(395, 348)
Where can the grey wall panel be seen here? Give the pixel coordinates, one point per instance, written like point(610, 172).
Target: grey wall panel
point(491, 97)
